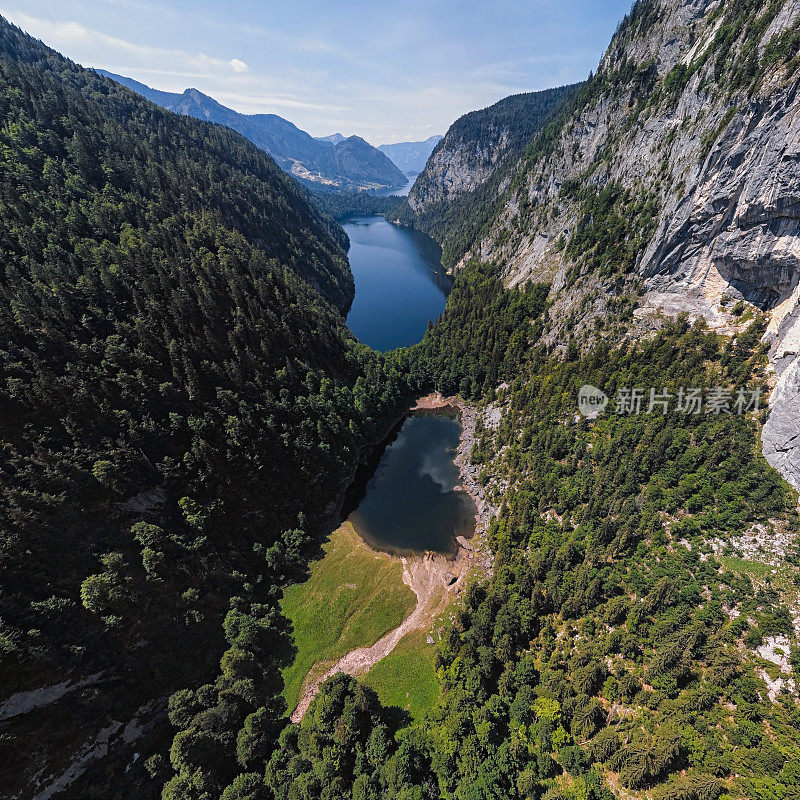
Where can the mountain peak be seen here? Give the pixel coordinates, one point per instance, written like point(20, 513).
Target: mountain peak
point(312, 161)
point(333, 138)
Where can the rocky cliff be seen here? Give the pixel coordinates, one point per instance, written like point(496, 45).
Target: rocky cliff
point(456, 193)
point(672, 184)
point(477, 143)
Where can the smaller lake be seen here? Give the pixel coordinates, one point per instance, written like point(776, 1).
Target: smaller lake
point(400, 282)
point(413, 501)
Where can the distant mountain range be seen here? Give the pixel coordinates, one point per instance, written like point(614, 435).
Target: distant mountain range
point(335, 162)
point(411, 157)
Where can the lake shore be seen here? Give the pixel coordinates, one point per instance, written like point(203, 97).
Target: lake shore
point(436, 579)
point(477, 546)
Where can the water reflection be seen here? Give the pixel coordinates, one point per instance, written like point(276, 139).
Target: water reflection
point(413, 501)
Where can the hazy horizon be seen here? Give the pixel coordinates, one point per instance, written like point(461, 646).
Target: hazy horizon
point(387, 74)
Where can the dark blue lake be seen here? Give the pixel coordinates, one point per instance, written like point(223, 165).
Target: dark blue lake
point(400, 282)
point(409, 499)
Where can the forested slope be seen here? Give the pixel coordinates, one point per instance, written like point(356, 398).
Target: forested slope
point(180, 409)
point(632, 641)
point(456, 195)
point(129, 161)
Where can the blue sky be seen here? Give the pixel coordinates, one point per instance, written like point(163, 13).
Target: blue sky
point(388, 71)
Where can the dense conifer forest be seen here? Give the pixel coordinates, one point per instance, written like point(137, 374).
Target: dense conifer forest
point(180, 407)
point(346, 204)
point(183, 407)
point(610, 649)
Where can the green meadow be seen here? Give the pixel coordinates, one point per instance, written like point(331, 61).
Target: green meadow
point(353, 597)
point(406, 678)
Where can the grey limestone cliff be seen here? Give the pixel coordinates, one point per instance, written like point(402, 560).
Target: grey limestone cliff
point(693, 115)
point(478, 143)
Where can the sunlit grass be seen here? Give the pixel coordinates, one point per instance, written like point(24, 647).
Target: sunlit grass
point(353, 597)
point(406, 678)
point(742, 565)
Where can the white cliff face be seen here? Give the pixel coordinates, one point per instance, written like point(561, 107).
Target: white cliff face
point(736, 227)
point(781, 433)
point(677, 119)
point(738, 234)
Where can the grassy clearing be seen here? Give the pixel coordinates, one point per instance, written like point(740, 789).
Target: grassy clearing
point(353, 597)
point(406, 678)
point(741, 565)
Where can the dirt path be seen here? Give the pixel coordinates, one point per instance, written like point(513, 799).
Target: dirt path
point(426, 576)
point(431, 577)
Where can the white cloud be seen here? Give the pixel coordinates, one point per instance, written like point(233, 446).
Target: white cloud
point(257, 102)
point(238, 65)
point(92, 47)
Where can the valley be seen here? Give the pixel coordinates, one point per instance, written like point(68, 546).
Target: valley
point(297, 500)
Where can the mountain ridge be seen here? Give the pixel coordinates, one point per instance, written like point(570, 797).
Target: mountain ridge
point(455, 194)
point(347, 163)
point(723, 223)
point(178, 414)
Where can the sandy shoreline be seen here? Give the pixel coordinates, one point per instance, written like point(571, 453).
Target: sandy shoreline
point(433, 577)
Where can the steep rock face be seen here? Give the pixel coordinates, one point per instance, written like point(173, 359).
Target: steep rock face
point(455, 197)
point(476, 144)
point(459, 166)
point(739, 225)
point(687, 139)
